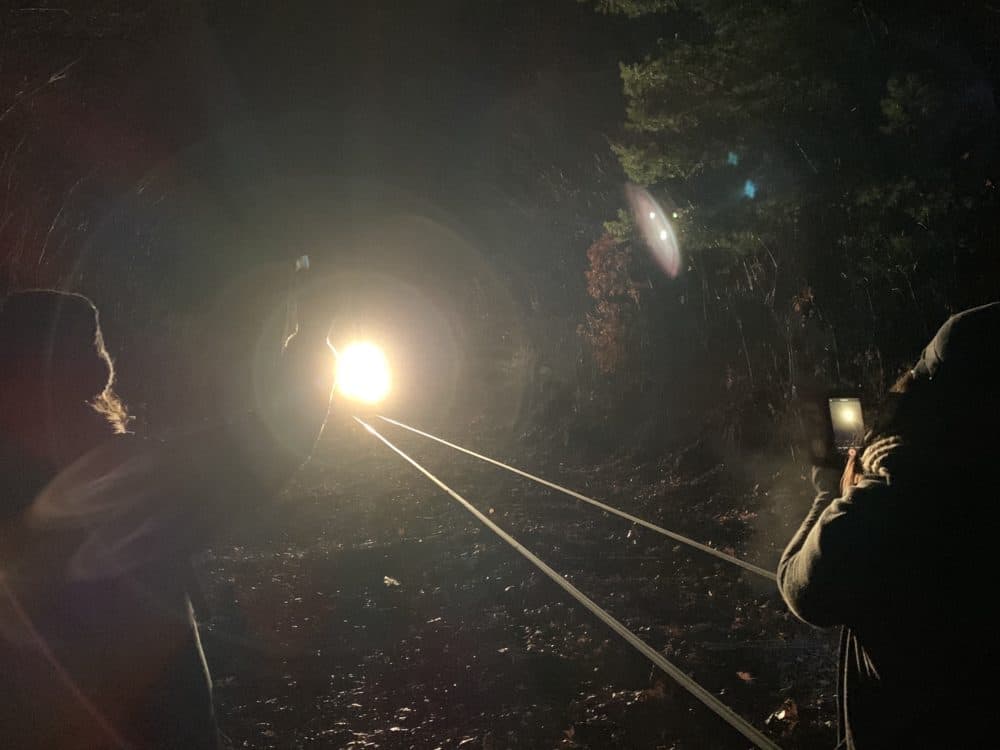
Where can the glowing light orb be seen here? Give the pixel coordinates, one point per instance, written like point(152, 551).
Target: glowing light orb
point(750, 189)
point(733, 159)
point(656, 229)
point(363, 373)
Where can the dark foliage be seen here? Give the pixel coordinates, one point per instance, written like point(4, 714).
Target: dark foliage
point(834, 167)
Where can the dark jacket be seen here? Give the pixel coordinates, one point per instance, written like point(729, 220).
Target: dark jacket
point(904, 562)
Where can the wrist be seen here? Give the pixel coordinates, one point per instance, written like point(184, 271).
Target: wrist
point(826, 479)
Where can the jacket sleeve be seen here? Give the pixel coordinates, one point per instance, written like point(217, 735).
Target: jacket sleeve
point(836, 562)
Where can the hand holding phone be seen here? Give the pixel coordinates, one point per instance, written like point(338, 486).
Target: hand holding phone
point(852, 471)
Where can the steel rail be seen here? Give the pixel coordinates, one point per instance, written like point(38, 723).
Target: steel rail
point(723, 711)
point(764, 573)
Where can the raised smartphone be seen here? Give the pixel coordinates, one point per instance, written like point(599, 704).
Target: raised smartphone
point(848, 423)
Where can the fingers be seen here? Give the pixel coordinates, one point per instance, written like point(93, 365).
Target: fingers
point(851, 474)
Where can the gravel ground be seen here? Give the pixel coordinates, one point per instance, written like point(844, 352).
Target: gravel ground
point(366, 609)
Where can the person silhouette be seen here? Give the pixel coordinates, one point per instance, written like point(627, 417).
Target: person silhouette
point(99, 647)
point(898, 550)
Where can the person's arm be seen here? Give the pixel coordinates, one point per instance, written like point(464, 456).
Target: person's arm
point(835, 564)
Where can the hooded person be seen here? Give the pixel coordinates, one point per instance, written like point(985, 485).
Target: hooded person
point(898, 551)
point(99, 647)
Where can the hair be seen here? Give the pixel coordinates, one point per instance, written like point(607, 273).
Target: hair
point(953, 418)
point(906, 409)
point(51, 333)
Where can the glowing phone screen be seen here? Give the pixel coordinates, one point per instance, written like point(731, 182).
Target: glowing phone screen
point(848, 423)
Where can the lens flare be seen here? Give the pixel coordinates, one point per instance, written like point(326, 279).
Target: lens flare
point(363, 373)
point(656, 229)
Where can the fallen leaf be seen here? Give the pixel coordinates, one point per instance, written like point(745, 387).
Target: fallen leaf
point(787, 716)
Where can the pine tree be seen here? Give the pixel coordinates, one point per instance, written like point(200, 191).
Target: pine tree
point(844, 153)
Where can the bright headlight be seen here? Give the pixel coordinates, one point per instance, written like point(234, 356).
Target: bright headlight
point(363, 373)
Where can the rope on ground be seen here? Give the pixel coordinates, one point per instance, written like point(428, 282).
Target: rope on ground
point(736, 721)
point(597, 504)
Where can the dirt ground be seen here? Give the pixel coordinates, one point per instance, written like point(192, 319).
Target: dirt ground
point(367, 609)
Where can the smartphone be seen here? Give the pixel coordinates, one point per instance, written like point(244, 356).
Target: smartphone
point(848, 423)
point(833, 424)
